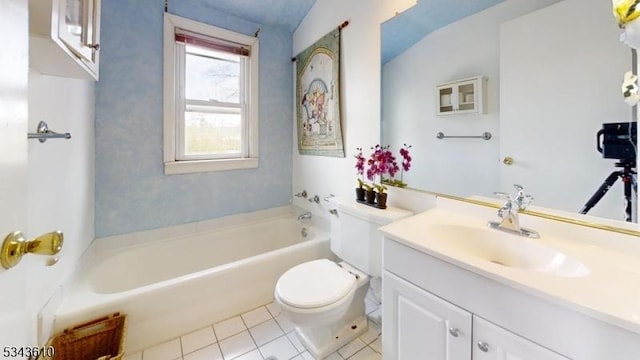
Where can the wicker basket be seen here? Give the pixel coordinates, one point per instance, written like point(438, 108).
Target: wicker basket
point(98, 339)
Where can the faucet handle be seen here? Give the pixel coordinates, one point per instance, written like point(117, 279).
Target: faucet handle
point(522, 200)
point(525, 201)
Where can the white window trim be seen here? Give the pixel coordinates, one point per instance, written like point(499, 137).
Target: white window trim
point(171, 165)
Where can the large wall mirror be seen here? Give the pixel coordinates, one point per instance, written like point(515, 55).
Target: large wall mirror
point(553, 70)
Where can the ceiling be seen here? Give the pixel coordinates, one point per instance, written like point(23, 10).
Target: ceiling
point(281, 13)
point(398, 33)
point(401, 32)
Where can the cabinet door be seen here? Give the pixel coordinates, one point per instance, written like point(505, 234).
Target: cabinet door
point(446, 99)
point(492, 342)
point(467, 94)
point(78, 27)
point(419, 325)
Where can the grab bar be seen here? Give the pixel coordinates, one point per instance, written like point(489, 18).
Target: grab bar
point(43, 133)
point(486, 136)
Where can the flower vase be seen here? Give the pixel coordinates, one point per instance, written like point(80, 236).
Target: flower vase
point(360, 194)
point(381, 200)
point(371, 196)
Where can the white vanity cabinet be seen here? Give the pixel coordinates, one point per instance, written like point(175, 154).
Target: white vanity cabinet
point(461, 97)
point(65, 37)
point(419, 325)
point(427, 299)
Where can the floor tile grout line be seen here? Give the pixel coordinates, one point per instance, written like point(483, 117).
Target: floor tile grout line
point(202, 347)
point(215, 335)
point(251, 336)
point(261, 306)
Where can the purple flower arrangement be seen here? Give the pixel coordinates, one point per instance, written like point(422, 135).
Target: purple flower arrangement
point(383, 166)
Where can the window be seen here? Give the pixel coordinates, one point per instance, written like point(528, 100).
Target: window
point(210, 98)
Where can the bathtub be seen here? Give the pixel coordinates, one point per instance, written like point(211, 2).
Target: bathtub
point(170, 285)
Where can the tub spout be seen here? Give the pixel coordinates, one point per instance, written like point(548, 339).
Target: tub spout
point(305, 215)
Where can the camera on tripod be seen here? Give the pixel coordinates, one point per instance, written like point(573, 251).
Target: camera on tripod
point(618, 141)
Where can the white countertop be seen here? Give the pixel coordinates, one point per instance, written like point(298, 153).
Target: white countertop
point(610, 291)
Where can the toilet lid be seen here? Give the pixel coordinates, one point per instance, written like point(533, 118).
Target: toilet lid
point(314, 284)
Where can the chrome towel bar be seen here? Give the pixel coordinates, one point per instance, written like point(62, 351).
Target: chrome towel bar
point(43, 133)
point(486, 136)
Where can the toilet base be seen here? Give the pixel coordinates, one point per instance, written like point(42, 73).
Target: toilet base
point(323, 344)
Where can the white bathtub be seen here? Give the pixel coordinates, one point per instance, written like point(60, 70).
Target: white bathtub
point(171, 286)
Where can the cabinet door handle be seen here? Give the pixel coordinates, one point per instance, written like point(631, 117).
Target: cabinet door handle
point(454, 332)
point(483, 346)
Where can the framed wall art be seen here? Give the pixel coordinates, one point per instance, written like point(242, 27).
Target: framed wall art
point(318, 98)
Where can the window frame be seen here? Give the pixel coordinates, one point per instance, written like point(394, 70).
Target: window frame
point(173, 102)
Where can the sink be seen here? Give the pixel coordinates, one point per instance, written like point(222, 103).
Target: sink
point(506, 249)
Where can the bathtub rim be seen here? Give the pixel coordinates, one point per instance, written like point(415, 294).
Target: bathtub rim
point(120, 242)
point(78, 289)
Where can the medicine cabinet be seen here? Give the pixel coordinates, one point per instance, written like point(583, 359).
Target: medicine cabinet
point(461, 96)
point(65, 37)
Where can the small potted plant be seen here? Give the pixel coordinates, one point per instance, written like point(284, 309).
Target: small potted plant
point(381, 163)
point(363, 188)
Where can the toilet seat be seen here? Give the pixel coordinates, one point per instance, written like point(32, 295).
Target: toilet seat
point(315, 284)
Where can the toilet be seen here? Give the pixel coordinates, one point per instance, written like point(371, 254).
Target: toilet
point(325, 299)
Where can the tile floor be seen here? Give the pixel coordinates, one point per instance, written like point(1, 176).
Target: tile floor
point(260, 334)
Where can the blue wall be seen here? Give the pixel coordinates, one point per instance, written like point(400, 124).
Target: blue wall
point(132, 192)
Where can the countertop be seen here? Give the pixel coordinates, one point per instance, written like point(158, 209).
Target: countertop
point(610, 291)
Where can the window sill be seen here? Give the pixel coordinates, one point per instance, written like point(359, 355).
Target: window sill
point(195, 166)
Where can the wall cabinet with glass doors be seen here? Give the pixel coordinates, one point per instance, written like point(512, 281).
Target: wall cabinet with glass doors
point(65, 37)
point(461, 97)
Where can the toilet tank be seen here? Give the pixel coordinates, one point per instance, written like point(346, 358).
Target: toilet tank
point(355, 237)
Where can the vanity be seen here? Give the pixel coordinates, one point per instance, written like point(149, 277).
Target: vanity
point(453, 288)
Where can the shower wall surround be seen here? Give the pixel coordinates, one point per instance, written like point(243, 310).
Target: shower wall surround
point(132, 192)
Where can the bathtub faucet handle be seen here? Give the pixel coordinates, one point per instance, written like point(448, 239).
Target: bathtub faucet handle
point(315, 199)
point(302, 194)
point(333, 212)
point(329, 197)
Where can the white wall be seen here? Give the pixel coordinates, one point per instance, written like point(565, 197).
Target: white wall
point(552, 106)
point(463, 49)
point(60, 181)
point(360, 88)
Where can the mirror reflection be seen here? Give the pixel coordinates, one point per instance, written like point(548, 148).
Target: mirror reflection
point(545, 78)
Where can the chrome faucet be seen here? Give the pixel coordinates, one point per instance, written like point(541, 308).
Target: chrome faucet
point(305, 215)
point(508, 213)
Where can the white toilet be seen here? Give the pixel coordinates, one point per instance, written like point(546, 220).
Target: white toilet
point(324, 299)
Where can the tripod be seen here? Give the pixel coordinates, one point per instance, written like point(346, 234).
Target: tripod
point(627, 174)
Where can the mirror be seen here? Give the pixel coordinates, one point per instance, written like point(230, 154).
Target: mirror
point(553, 71)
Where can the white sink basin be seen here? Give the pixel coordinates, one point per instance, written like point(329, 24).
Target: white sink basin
point(507, 249)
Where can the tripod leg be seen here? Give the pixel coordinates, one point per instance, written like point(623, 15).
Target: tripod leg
point(630, 194)
point(602, 190)
point(628, 210)
point(634, 199)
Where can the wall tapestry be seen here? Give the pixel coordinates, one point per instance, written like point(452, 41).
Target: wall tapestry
point(318, 98)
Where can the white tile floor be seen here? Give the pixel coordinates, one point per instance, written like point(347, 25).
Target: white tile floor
point(260, 334)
